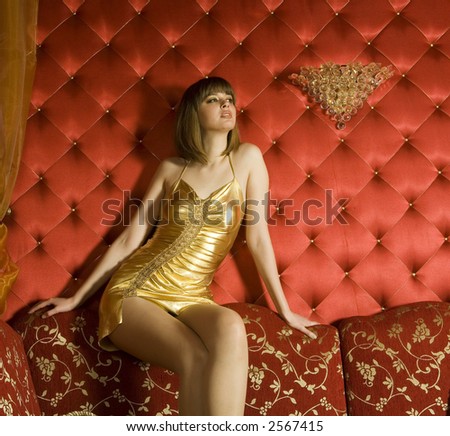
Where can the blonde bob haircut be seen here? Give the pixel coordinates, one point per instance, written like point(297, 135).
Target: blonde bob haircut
point(188, 134)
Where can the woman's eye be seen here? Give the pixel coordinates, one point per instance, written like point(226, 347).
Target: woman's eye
point(216, 100)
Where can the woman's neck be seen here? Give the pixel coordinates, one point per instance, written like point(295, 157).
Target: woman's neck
point(214, 146)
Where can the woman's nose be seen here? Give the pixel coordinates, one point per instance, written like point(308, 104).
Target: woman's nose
point(225, 103)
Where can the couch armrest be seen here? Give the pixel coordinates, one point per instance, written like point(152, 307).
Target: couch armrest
point(398, 361)
point(289, 373)
point(17, 395)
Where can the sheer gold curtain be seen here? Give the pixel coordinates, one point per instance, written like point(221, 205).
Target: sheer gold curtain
point(17, 64)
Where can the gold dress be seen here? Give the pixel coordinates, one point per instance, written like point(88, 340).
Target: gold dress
point(175, 267)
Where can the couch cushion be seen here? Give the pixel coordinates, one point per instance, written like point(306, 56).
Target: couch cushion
point(398, 362)
point(288, 373)
point(17, 395)
point(73, 375)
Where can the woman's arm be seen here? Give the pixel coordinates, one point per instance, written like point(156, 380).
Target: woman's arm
point(127, 242)
point(259, 241)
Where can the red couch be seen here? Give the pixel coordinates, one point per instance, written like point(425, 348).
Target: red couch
point(359, 217)
point(393, 363)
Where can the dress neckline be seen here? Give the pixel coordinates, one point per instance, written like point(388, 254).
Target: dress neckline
point(212, 193)
point(181, 179)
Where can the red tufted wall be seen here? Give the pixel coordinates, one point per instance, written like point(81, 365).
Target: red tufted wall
point(110, 73)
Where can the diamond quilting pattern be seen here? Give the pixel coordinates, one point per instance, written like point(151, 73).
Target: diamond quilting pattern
point(429, 75)
point(378, 206)
point(107, 134)
point(398, 240)
point(432, 138)
point(260, 44)
point(106, 17)
point(168, 20)
point(410, 43)
point(139, 30)
point(366, 140)
point(95, 79)
point(81, 43)
point(380, 17)
point(81, 113)
point(110, 74)
point(359, 240)
point(147, 102)
point(308, 24)
point(39, 157)
point(410, 162)
point(344, 171)
point(430, 18)
point(226, 13)
point(253, 83)
point(396, 107)
point(435, 273)
point(334, 36)
point(69, 168)
point(438, 215)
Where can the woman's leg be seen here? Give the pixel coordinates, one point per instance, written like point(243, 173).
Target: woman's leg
point(223, 333)
point(152, 335)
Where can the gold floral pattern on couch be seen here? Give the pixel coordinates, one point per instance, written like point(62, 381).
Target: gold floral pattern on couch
point(288, 373)
point(398, 362)
point(17, 395)
point(72, 374)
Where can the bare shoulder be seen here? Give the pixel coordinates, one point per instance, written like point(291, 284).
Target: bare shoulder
point(249, 155)
point(250, 166)
point(169, 168)
point(165, 175)
point(171, 164)
point(247, 148)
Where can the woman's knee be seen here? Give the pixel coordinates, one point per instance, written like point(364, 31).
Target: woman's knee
point(221, 329)
point(230, 329)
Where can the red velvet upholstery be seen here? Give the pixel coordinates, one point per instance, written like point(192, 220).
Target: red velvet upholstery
point(111, 71)
point(288, 373)
point(17, 394)
point(398, 362)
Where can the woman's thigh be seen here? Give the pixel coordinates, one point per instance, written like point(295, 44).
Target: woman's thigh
point(151, 334)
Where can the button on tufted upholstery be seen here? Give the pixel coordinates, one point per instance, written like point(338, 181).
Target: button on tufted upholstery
point(374, 199)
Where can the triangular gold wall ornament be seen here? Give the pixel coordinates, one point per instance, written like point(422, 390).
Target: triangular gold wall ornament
point(341, 89)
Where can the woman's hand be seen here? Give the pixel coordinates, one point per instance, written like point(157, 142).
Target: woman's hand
point(58, 305)
point(301, 323)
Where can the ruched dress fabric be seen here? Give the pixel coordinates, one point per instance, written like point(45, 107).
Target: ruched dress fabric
point(176, 266)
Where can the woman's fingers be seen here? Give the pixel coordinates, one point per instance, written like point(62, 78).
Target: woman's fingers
point(50, 312)
point(302, 324)
point(59, 305)
point(41, 305)
point(309, 333)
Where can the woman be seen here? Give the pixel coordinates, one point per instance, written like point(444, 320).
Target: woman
point(157, 305)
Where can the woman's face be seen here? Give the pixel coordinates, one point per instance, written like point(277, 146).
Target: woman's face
point(217, 112)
